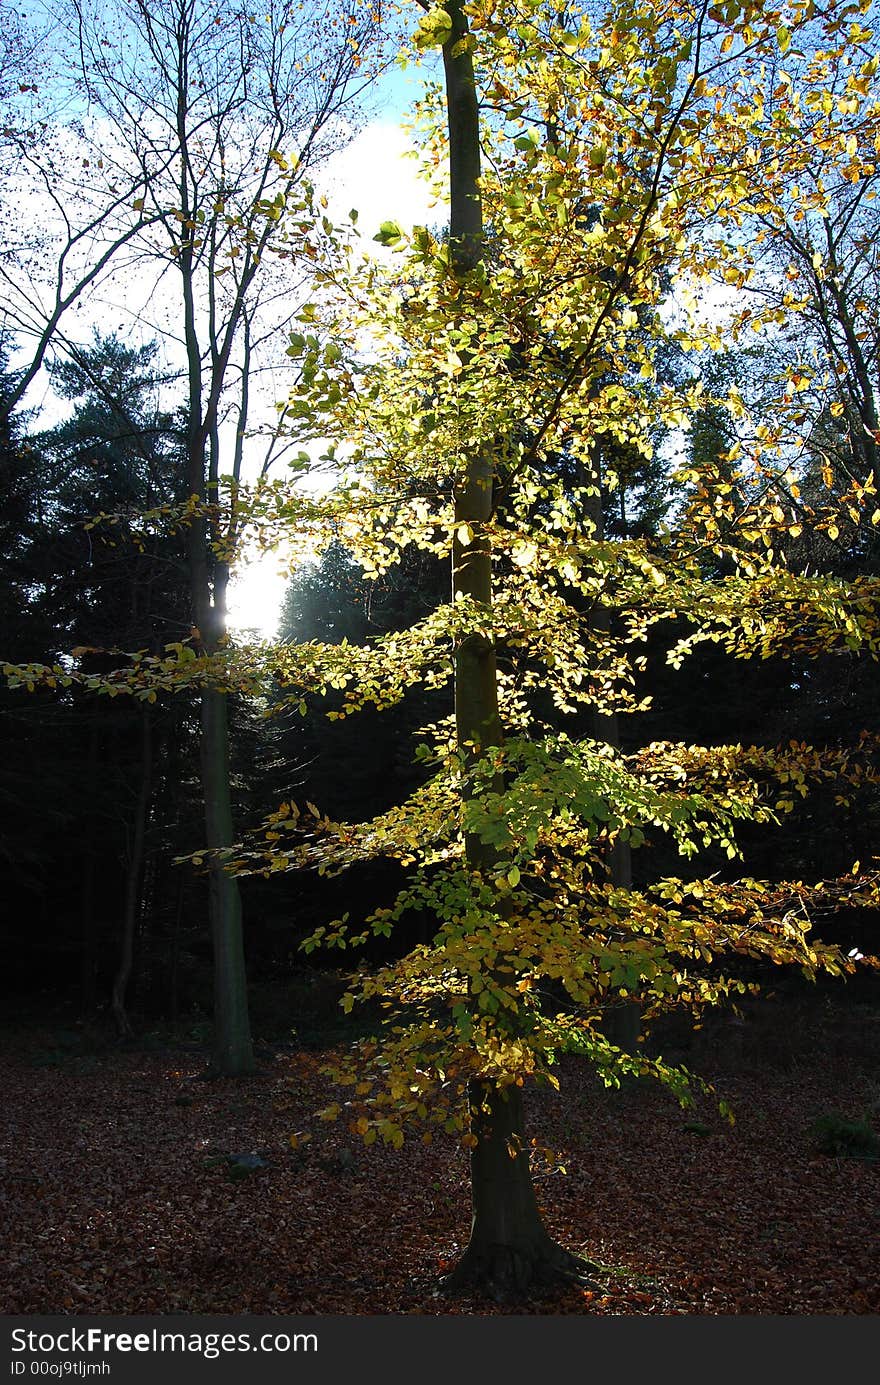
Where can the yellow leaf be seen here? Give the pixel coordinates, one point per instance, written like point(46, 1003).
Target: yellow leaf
point(524, 554)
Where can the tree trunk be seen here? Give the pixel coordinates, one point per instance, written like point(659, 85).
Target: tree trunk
point(509, 1247)
point(89, 963)
point(233, 1050)
point(174, 963)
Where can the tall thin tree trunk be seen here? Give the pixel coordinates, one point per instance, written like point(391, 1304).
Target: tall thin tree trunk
point(232, 1035)
point(509, 1246)
point(233, 1048)
point(174, 962)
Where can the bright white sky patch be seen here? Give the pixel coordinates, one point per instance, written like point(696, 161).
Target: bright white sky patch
point(377, 175)
point(255, 595)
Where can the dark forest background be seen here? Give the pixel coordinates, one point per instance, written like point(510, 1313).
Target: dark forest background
point(100, 795)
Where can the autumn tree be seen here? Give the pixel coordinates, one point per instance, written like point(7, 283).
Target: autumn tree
point(484, 370)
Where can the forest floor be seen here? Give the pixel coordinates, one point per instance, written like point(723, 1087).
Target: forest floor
point(115, 1198)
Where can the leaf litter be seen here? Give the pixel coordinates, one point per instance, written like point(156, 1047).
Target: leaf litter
point(128, 1186)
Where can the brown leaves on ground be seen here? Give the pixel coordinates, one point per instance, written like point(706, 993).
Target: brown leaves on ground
point(116, 1195)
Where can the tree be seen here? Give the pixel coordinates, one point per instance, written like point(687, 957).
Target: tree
point(483, 371)
point(88, 216)
point(197, 126)
point(81, 590)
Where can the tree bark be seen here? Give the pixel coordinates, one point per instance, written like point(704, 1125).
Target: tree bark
point(509, 1248)
point(233, 1049)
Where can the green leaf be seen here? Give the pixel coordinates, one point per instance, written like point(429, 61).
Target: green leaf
point(389, 233)
point(433, 30)
point(527, 142)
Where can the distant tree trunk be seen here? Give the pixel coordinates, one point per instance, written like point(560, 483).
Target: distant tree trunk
point(232, 1035)
point(233, 1047)
point(509, 1247)
point(89, 962)
point(174, 962)
point(209, 577)
point(134, 874)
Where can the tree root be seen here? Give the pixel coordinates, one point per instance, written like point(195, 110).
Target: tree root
point(506, 1273)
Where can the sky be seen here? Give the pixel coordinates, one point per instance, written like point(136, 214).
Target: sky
point(376, 174)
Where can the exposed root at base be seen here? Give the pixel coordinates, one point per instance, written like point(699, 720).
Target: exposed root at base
point(506, 1273)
